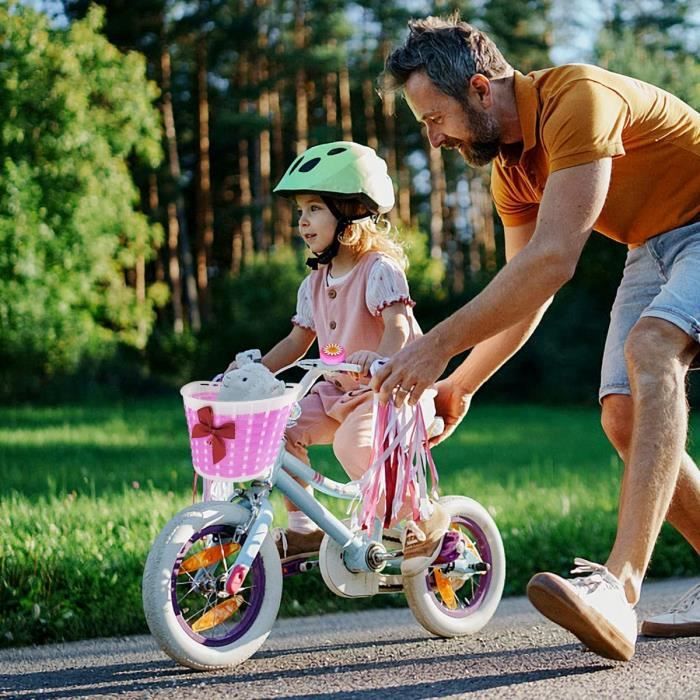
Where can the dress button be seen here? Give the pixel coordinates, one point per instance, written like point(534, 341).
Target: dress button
point(332, 293)
point(333, 324)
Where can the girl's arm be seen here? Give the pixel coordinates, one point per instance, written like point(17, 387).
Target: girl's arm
point(397, 331)
point(289, 349)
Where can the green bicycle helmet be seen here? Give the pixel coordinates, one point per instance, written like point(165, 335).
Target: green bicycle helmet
point(341, 169)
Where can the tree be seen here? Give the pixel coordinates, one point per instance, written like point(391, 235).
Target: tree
point(655, 42)
point(76, 113)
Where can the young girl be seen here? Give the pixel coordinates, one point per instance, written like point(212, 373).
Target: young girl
point(356, 297)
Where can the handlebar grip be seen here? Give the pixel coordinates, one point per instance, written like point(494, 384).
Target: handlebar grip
point(377, 365)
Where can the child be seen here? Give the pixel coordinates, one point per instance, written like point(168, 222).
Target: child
point(356, 297)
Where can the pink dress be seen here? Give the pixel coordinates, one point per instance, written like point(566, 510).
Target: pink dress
point(338, 411)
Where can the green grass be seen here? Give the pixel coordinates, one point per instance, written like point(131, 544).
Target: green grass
point(84, 490)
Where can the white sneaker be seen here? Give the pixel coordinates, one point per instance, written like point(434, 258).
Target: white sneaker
point(681, 620)
point(592, 607)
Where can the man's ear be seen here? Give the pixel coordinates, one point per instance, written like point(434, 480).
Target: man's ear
point(480, 87)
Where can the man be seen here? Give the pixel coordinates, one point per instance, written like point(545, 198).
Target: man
point(575, 148)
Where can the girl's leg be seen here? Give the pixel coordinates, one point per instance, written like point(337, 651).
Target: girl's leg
point(302, 538)
point(353, 442)
point(313, 427)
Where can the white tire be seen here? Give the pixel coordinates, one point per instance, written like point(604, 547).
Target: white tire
point(173, 601)
point(478, 597)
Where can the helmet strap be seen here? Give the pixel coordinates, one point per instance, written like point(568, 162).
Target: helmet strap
point(325, 256)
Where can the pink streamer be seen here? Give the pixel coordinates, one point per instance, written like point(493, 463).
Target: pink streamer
point(400, 455)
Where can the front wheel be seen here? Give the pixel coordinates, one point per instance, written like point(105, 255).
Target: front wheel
point(187, 608)
point(470, 602)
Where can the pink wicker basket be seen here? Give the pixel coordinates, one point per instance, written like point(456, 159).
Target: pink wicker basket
point(234, 440)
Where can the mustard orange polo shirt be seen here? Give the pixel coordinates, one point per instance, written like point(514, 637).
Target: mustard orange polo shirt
point(576, 114)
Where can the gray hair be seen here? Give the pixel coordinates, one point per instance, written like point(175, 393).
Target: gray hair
point(449, 51)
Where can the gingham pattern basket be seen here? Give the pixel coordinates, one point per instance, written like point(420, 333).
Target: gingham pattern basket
point(234, 440)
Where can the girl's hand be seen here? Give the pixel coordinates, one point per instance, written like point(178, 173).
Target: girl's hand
point(451, 405)
point(232, 366)
point(364, 358)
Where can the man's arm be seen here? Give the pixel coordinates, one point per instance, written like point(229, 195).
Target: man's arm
point(572, 201)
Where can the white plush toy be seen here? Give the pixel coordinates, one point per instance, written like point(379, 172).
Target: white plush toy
point(250, 380)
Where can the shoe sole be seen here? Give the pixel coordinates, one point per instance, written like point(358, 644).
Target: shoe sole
point(416, 569)
point(566, 609)
point(669, 630)
point(412, 567)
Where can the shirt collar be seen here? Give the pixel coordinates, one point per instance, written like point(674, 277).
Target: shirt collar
point(527, 104)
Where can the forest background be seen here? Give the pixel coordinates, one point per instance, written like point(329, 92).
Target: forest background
point(140, 244)
point(141, 247)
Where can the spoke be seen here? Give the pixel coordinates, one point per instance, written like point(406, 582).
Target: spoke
point(199, 613)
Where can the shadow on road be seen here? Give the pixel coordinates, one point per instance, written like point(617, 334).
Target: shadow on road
point(164, 675)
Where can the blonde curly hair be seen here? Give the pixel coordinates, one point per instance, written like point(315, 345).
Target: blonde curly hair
point(375, 234)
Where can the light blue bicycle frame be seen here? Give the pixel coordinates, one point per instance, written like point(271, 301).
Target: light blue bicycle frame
point(355, 545)
point(361, 553)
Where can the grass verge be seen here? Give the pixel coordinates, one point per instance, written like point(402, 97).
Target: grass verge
point(86, 489)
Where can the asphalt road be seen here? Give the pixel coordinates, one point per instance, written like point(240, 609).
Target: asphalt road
point(381, 655)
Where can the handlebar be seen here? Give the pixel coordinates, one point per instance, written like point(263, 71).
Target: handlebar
point(325, 367)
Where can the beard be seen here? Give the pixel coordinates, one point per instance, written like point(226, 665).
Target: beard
point(485, 143)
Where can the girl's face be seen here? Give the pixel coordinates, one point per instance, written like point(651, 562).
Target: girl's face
point(316, 223)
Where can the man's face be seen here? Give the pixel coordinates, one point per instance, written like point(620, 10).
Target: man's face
point(470, 129)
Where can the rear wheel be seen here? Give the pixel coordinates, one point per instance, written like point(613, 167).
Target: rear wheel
point(449, 606)
point(193, 618)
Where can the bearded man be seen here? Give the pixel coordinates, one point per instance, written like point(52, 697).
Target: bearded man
point(575, 148)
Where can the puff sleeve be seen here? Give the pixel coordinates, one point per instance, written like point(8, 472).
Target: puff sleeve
point(304, 313)
point(386, 285)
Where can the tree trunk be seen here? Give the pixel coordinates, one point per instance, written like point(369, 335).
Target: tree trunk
point(345, 113)
point(283, 214)
point(437, 200)
point(390, 146)
point(370, 123)
point(264, 141)
point(302, 104)
point(245, 242)
point(173, 219)
point(330, 101)
point(205, 212)
point(404, 198)
point(154, 207)
point(483, 247)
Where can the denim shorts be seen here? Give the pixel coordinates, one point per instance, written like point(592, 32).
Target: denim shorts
point(661, 279)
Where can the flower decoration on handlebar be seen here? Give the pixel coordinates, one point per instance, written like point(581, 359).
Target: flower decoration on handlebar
point(333, 354)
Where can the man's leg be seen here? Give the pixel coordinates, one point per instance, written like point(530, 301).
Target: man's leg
point(684, 511)
point(658, 355)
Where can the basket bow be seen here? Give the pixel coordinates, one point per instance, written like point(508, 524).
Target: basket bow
point(206, 428)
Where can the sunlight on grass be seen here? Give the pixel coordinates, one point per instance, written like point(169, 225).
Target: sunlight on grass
point(85, 490)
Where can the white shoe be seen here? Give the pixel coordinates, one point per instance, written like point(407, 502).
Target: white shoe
point(681, 620)
point(593, 607)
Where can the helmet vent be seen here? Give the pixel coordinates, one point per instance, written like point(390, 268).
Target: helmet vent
point(296, 164)
point(336, 151)
point(309, 165)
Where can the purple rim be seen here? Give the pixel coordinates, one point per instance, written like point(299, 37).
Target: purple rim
point(257, 593)
point(482, 545)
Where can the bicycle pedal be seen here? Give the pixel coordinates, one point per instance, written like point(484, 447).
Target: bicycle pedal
point(298, 566)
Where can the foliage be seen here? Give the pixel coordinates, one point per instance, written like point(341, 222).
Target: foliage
point(75, 113)
point(86, 488)
point(655, 41)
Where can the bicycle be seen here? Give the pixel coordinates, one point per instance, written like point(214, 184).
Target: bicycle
point(213, 581)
